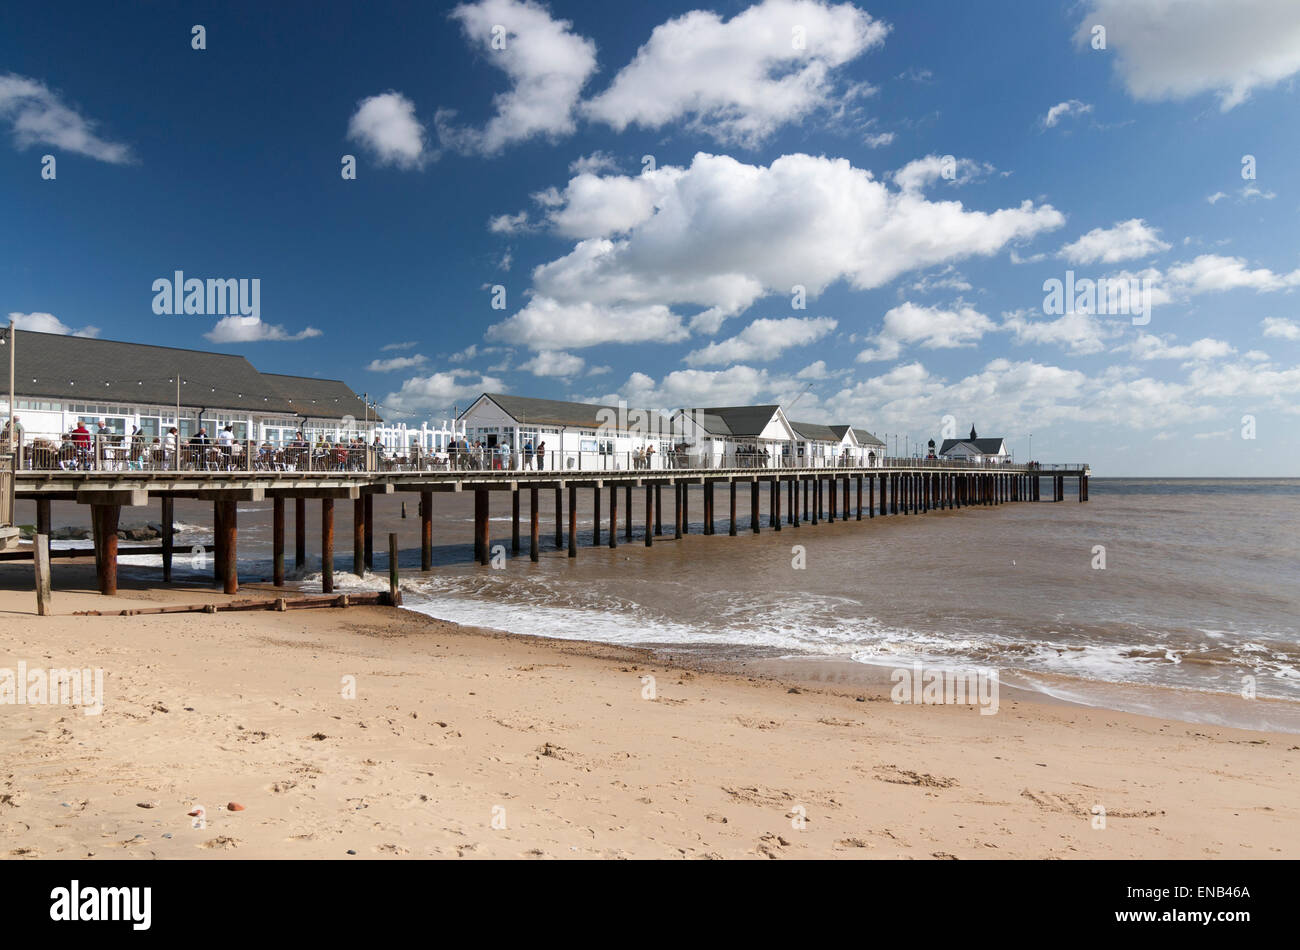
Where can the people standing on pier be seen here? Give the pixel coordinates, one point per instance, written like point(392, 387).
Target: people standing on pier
point(528, 455)
point(541, 455)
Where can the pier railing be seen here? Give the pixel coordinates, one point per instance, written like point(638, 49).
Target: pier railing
point(97, 453)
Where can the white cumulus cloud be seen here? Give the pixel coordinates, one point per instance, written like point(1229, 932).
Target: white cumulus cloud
point(763, 340)
point(1124, 241)
point(37, 116)
point(240, 329)
point(386, 125)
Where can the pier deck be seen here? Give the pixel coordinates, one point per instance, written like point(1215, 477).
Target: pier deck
point(811, 495)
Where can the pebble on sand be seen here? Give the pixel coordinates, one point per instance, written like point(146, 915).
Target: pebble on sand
point(234, 806)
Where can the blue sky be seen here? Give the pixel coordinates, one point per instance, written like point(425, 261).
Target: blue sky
point(920, 169)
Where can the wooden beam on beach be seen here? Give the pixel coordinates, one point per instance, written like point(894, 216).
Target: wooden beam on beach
point(327, 545)
point(41, 561)
point(299, 533)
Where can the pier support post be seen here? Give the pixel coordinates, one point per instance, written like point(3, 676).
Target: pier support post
point(859, 517)
point(41, 562)
point(218, 556)
point(105, 519)
point(753, 506)
point(327, 545)
point(534, 525)
point(789, 502)
point(708, 507)
point(595, 517)
point(299, 533)
point(659, 509)
point(775, 501)
point(844, 510)
point(816, 499)
point(732, 488)
point(871, 496)
point(684, 512)
point(613, 516)
point(369, 532)
point(573, 520)
point(426, 528)
point(358, 537)
point(627, 515)
point(559, 518)
point(229, 547)
point(277, 543)
point(649, 515)
point(678, 489)
point(794, 501)
point(168, 516)
point(482, 540)
point(514, 522)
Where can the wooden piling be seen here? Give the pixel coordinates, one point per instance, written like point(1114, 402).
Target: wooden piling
point(573, 520)
point(168, 516)
point(649, 515)
point(613, 516)
point(358, 537)
point(369, 532)
point(559, 518)
point(753, 505)
point(514, 522)
point(482, 536)
point(708, 507)
point(327, 545)
point(106, 518)
point(426, 528)
point(41, 561)
point(394, 594)
point(277, 541)
point(774, 500)
point(229, 546)
point(731, 530)
point(627, 515)
point(595, 517)
point(678, 509)
point(299, 533)
point(685, 520)
point(659, 509)
point(534, 526)
point(218, 535)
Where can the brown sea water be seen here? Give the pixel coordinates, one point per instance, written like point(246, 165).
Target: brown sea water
point(1200, 589)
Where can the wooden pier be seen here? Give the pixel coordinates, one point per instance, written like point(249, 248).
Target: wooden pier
point(812, 495)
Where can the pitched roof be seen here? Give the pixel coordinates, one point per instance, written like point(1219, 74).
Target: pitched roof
point(741, 422)
point(55, 366)
point(866, 438)
point(556, 412)
point(981, 446)
point(814, 432)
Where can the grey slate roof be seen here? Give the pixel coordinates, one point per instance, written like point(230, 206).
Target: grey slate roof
point(739, 422)
point(54, 366)
point(982, 446)
point(866, 438)
point(557, 412)
point(814, 432)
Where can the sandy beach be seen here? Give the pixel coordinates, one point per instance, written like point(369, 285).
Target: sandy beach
point(465, 743)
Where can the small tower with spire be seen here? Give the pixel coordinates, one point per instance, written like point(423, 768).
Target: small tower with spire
point(972, 432)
